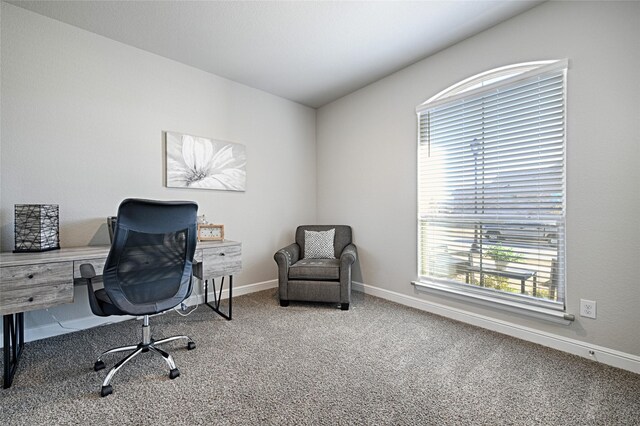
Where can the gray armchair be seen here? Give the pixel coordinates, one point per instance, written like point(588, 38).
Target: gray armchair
point(317, 280)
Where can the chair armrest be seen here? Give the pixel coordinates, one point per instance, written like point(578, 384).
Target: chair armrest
point(88, 273)
point(287, 256)
point(349, 255)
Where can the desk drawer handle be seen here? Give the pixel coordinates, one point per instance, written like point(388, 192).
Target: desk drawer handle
point(30, 276)
point(31, 299)
point(221, 254)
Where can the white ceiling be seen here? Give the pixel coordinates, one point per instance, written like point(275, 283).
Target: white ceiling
point(311, 52)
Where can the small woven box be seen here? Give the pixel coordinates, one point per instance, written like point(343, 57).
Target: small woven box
point(36, 227)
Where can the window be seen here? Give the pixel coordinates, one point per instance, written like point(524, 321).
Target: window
point(491, 186)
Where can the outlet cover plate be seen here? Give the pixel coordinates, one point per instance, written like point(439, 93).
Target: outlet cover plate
point(587, 308)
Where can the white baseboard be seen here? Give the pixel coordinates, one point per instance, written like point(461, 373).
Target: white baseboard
point(83, 323)
point(586, 350)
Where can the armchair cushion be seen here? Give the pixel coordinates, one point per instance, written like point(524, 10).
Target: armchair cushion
point(315, 269)
point(319, 244)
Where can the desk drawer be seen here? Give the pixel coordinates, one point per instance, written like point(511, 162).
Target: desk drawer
point(221, 261)
point(30, 287)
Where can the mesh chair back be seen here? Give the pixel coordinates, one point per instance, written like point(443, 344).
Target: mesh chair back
point(150, 264)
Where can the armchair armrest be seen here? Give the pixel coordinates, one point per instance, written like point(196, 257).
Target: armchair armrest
point(349, 255)
point(287, 256)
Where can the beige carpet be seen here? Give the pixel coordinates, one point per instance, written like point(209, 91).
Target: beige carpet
point(377, 364)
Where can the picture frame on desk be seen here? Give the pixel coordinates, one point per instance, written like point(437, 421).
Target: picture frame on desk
point(210, 232)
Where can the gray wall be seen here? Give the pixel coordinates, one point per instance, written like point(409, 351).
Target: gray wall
point(370, 137)
point(82, 121)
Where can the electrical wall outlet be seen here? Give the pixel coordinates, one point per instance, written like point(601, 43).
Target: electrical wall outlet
point(587, 308)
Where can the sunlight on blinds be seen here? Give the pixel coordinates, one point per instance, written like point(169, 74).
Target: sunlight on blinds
point(491, 198)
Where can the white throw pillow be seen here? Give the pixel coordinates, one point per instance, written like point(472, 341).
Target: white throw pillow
point(319, 244)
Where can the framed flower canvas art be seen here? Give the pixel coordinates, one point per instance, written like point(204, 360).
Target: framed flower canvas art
point(202, 163)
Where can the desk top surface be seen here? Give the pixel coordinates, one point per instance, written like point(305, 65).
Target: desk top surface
point(85, 252)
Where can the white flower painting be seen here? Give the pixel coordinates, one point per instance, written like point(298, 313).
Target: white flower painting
point(195, 162)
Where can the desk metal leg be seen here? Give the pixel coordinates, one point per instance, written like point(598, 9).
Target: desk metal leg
point(217, 297)
point(13, 334)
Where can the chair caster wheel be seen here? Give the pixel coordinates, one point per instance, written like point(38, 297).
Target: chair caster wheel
point(106, 390)
point(174, 373)
point(344, 306)
point(191, 345)
point(284, 303)
point(99, 365)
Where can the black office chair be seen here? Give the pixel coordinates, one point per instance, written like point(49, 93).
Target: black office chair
point(148, 271)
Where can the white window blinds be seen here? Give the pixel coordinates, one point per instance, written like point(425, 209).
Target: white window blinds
point(491, 190)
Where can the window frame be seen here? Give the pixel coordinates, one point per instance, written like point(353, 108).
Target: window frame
point(474, 86)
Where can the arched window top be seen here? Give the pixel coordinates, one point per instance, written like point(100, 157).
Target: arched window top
point(491, 78)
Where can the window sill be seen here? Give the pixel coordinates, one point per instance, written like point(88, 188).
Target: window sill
point(547, 314)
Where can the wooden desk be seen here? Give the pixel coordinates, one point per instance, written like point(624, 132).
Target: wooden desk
point(31, 281)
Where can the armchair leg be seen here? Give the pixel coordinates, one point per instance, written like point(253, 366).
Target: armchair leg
point(344, 306)
point(284, 303)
